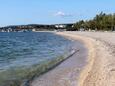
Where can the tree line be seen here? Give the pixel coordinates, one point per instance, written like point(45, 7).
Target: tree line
point(100, 22)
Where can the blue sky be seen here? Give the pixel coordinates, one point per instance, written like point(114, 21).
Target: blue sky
point(16, 12)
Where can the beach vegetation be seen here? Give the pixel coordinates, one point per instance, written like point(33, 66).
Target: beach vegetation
point(101, 22)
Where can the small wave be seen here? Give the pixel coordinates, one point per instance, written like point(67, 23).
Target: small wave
point(22, 76)
point(26, 55)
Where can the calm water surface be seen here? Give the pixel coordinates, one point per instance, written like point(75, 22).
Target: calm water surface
point(23, 54)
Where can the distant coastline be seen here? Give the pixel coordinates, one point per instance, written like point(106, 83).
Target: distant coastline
point(36, 27)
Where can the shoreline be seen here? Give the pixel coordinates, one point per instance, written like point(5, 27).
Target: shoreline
point(100, 70)
point(99, 67)
point(67, 73)
point(89, 44)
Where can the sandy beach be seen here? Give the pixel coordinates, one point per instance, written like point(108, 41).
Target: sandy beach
point(101, 70)
point(93, 65)
point(65, 74)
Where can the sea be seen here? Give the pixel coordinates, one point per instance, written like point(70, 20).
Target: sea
point(26, 55)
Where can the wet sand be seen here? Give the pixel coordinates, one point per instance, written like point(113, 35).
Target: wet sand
point(67, 73)
point(100, 70)
point(93, 65)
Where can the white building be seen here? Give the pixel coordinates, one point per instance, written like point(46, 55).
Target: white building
point(60, 26)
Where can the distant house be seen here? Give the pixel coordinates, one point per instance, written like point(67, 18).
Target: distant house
point(60, 26)
point(33, 29)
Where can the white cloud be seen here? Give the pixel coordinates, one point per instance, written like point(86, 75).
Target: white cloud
point(62, 14)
